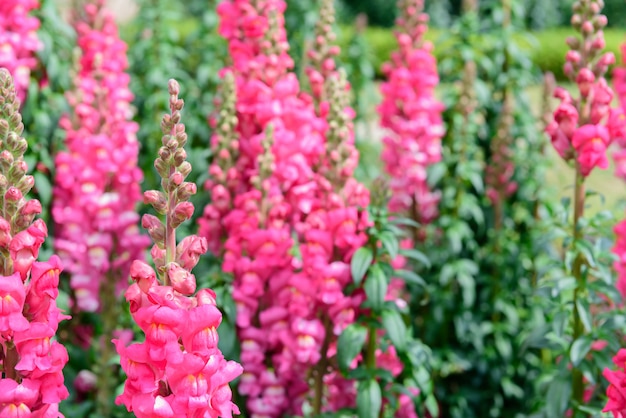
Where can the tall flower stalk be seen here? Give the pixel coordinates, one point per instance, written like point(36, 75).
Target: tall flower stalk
point(32, 360)
point(581, 131)
point(412, 115)
point(178, 370)
point(18, 41)
point(97, 184)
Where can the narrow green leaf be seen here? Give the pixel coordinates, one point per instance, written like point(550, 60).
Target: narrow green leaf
point(579, 350)
point(432, 406)
point(350, 344)
point(417, 256)
point(390, 242)
point(369, 399)
point(395, 327)
point(557, 396)
point(376, 287)
point(43, 187)
point(409, 277)
point(584, 314)
point(361, 261)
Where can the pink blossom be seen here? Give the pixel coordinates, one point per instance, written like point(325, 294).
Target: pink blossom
point(590, 143)
point(18, 41)
point(617, 382)
point(412, 116)
point(97, 178)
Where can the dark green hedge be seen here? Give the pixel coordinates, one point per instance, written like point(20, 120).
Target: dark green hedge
point(548, 48)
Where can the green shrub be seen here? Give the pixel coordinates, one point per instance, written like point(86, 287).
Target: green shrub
point(547, 47)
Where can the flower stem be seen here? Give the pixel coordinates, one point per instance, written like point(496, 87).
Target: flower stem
point(320, 369)
point(579, 202)
point(106, 379)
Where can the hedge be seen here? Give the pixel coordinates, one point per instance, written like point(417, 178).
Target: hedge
point(548, 51)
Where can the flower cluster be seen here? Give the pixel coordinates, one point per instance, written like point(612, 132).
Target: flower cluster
point(617, 382)
point(97, 178)
point(178, 371)
point(583, 128)
point(498, 175)
point(18, 41)
point(619, 78)
point(322, 55)
point(32, 361)
point(619, 249)
point(413, 116)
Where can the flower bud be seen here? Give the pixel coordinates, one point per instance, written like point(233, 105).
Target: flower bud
point(156, 199)
point(185, 191)
point(185, 168)
point(180, 279)
point(143, 274)
point(5, 233)
point(182, 212)
point(155, 228)
point(85, 381)
point(173, 87)
point(13, 194)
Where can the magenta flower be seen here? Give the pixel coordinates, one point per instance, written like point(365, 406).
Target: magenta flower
point(590, 143)
point(164, 377)
point(412, 115)
point(32, 382)
point(617, 386)
point(18, 41)
point(97, 180)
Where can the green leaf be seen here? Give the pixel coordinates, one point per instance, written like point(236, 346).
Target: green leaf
point(376, 287)
point(44, 189)
point(390, 242)
point(405, 222)
point(361, 261)
point(409, 277)
point(369, 399)
point(432, 406)
point(557, 396)
point(350, 344)
point(395, 327)
point(579, 350)
point(584, 314)
point(417, 256)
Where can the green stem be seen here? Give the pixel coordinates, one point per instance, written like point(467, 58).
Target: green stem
point(110, 317)
point(579, 202)
point(321, 368)
point(9, 362)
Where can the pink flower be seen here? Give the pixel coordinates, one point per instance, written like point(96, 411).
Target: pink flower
point(590, 143)
point(413, 116)
point(97, 179)
point(24, 247)
point(12, 296)
point(18, 41)
point(617, 382)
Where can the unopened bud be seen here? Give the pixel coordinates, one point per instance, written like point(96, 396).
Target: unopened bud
point(156, 199)
point(182, 212)
point(173, 87)
point(143, 275)
point(13, 194)
point(176, 178)
point(155, 228)
point(185, 168)
point(181, 280)
point(26, 184)
point(185, 191)
point(179, 156)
